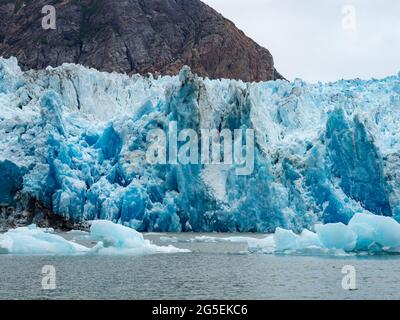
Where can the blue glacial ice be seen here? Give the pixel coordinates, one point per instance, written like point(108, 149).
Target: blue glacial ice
point(364, 233)
point(120, 240)
point(112, 239)
point(287, 240)
point(74, 140)
point(336, 236)
point(35, 241)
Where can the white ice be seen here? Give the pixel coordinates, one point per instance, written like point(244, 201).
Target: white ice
point(35, 241)
point(120, 240)
point(112, 239)
point(364, 233)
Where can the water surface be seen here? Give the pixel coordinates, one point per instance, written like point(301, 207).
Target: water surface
point(212, 271)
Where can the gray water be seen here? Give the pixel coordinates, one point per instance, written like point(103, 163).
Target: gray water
point(211, 271)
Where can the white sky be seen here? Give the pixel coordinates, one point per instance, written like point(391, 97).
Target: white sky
point(308, 40)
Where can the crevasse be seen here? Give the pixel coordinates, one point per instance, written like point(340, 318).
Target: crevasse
point(74, 140)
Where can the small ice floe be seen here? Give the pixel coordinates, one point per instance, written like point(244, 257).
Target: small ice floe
point(365, 233)
point(112, 239)
point(255, 245)
point(172, 239)
point(121, 240)
point(35, 241)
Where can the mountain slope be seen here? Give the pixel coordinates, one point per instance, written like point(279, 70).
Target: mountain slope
point(133, 36)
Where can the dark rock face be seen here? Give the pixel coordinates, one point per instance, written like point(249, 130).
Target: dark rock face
point(132, 36)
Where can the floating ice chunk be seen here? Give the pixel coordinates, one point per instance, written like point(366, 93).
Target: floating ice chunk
point(365, 232)
point(77, 232)
point(308, 239)
point(120, 240)
point(285, 240)
point(206, 239)
point(254, 245)
point(265, 245)
point(114, 239)
point(117, 235)
point(35, 241)
point(372, 229)
point(146, 248)
point(171, 239)
point(336, 236)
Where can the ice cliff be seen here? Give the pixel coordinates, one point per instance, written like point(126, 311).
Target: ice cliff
point(74, 140)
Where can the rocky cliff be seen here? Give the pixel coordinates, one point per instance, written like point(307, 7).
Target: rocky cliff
point(132, 36)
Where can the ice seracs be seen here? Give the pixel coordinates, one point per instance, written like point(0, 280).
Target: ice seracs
point(74, 141)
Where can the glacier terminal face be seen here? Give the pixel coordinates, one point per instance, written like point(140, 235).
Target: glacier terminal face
point(73, 141)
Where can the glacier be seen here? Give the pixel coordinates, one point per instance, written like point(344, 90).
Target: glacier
point(73, 142)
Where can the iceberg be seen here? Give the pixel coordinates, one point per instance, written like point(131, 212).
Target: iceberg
point(120, 240)
point(308, 240)
point(364, 233)
point(73, 142)
point(112, 239)
point(35, 241)
point(287, 240)
point(374, 230)
point(336, 236)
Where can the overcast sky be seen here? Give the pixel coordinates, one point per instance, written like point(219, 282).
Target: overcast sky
point(322, 40)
